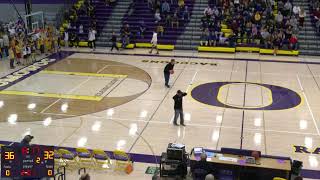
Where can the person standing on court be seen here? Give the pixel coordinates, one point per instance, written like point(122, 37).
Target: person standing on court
point(178, 110)
point(92, 38)
point(167, 71)
point(154, 42)
point(114, 42)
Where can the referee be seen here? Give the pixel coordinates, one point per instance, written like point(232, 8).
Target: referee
point(167, 71)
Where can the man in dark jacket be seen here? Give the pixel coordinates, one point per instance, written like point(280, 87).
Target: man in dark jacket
point(178, 110)
point(167, 71)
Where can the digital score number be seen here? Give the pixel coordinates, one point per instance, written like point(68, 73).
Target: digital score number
point(30, 161)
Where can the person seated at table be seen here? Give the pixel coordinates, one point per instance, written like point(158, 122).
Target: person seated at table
point(201, 168)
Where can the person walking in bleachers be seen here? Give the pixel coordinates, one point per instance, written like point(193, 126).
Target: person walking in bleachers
point(165, 8)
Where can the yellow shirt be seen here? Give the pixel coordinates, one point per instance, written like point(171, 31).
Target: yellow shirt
point(11, 53)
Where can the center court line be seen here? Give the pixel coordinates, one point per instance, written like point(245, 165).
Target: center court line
point(307, 102)
point(73, 89)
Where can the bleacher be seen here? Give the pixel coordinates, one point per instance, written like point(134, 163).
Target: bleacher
point(102, 14)
point(185, 36)
point(141, 13)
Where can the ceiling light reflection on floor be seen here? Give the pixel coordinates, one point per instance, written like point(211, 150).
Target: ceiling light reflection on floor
point(82, 141)
point(110, 112)
point(121, 144)
point(133, 129)
point(143, 114)
point(47, 121)
point(12, 119)
point(1, 104)
point(64, 107)
point(32, 106)
point(96, 126)
point(303, 124)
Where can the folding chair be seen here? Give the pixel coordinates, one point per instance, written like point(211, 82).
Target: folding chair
point(101, 159)
point(84, 157)
point(58, 161)
point(69, 158)
point(122, 160)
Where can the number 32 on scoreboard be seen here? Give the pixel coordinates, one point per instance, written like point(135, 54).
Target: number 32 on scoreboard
point(48, 154)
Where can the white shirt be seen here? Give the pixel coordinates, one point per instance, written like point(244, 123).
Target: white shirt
point(296, 9)
point(66, 36)
point(81, 29)
point(6, 40)
point(92, 35)
point(154, 39)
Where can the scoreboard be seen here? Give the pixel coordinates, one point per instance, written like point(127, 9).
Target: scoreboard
point(34, 161)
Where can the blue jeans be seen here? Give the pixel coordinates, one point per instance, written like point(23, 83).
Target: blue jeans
point(166, 78)
point(177, 113)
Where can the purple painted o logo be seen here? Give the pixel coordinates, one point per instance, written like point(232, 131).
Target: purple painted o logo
point(280, 98)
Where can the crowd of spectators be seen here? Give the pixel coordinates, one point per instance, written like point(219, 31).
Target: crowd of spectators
point(74, 31)
point(252, 23)
point(22, 47)
point(167, 13)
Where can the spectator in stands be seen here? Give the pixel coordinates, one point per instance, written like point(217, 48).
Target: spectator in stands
point(168, 20)
point(293, 42)
point(160, 29)
point(6, 43)
point(204, 37)
point(222, 39)
point(92, 38)
point(126, 33)
point(81, 29)
point(185, 14)
point(142, 28)
point(287, 8)
point(296, 10)
point(180, 3)
point(175, 20)
point(302, 14)
point(66, 38)
point(207, 12)
point(157, 16)
point(165, 7)
point(151, 4)
point(74, 39)
point(12, 57)
point(279, 19)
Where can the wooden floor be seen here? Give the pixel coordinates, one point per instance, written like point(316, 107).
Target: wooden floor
point(119, 101)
